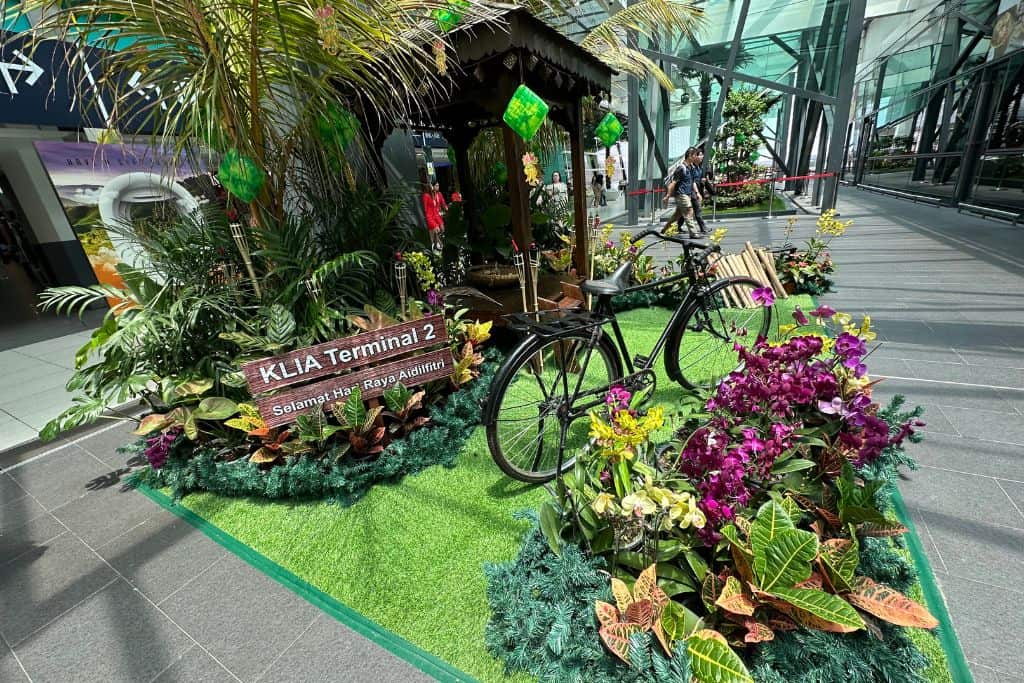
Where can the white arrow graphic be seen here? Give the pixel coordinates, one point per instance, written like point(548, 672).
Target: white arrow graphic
point(34, 71)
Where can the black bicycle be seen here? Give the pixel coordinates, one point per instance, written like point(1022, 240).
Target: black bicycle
point(537, 410)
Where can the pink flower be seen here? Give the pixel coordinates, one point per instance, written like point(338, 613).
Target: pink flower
point(823, 311)
point(764, 296)
point(799, 316)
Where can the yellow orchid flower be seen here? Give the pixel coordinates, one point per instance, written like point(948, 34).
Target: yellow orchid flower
point(604, 502)
point(638, 501)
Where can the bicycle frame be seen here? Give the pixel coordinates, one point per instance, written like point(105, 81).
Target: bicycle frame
point(604, 307)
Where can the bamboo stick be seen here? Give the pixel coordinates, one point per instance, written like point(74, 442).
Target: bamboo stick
point(755, 268)
point(738, 269)
point(722, 269)
point(769, 267)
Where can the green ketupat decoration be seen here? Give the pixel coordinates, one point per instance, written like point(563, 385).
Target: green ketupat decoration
point(337, 126)
point(609, 130)
point(240, 175)
point(525, 113)
point(449, 17)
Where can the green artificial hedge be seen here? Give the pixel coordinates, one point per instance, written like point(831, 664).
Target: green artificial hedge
point(189, 469)
point(543, 619)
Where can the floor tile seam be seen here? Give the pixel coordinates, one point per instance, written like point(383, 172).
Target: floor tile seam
point(73, 442)
point(41, 360)
point(15, 418)
point(959, 434)
point(1015, 591)
point(146, 598)
point(316, 618)
point(78, 604)
point(986, 522)
point(174, 661)
point(1010, 498)
point(1010, 411)
point(928, 531)
point(962, 384)
point(186, 584)
point(103, 545)
point(971, 474)
point(996, 670)
point(41, 543)
point(17, 659)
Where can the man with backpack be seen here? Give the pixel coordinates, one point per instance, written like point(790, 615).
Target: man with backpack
point(682, 188)
point(701, 188)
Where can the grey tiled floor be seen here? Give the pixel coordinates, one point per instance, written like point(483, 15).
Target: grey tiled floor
point(98, 583)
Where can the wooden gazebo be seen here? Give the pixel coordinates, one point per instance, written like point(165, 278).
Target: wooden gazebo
point(488, 62)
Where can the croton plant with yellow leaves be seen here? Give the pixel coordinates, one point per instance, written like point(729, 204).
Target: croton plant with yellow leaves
point(751, 518)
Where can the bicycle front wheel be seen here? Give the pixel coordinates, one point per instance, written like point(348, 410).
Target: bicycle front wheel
point(701, 349)
point(536, 414)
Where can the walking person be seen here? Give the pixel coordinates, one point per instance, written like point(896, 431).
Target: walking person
point(681, 187)
point(597, 186)
point(434, 207)
point(699, 195)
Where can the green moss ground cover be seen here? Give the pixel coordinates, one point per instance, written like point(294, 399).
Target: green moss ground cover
point(409, 556)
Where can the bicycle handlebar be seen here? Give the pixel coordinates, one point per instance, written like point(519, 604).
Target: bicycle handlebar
point(686, 242)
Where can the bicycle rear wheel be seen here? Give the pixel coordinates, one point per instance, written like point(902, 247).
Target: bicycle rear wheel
point(700, 350)
point(531, 414)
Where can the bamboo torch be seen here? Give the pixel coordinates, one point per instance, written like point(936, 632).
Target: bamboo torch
point(401, 281)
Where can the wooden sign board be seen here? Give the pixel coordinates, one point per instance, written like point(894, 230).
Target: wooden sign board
point(282, 408)
point(329, 358)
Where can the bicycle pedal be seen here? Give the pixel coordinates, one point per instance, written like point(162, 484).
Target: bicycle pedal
point(640, 361)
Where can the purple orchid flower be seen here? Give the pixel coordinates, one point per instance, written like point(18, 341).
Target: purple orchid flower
point(800, 317)
point(764, 296)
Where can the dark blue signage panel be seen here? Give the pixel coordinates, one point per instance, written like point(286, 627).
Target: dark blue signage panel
point(38, 87)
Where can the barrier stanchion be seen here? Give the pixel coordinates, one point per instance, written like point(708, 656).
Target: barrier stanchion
point(771, 196)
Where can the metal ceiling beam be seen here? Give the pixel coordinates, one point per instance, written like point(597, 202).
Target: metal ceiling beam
point(719, 71)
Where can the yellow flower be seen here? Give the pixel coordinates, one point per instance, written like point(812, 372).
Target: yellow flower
point(694, 518)
point(638, 501)
point(600, 430)
point(672, 229)
point(786, 329)
point(842, 318)
point(718, 235)
point(604, 502)
point(654, 419)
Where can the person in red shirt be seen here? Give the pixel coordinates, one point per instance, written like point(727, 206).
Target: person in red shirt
point(434, 207)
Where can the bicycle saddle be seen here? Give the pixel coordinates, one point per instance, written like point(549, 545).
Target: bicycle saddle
point(613, 285)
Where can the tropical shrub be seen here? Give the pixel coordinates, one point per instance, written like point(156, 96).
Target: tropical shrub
point(754, 521)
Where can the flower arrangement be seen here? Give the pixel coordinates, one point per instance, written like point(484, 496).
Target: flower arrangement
point(807, 271)
point(750, 522)
point(609, 255)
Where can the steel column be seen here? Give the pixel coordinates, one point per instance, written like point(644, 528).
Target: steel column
point(844, 100)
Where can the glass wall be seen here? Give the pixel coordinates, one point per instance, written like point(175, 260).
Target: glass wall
point(939, 112)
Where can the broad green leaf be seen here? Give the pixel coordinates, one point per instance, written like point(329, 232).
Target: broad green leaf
point(771, 519)
point(280, 324)
point(215, 408)
point(697, 564)
point(793, 465)
point(551, 526)
point(354, 412)
point(841, 557)
point(713, 661)
point(193, 387)
point(191, 428)
point(786, 560)
point(855, 514)
point(825, 606)
point(678, 621)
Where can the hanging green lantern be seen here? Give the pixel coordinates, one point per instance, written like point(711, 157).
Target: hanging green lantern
point(449, 17)
point(609, 130)
point(740, 138)
point(500, 173)
point(240, 175)
point(525, 113)
point(337, 126)
point(754, 156)
point(451, 155)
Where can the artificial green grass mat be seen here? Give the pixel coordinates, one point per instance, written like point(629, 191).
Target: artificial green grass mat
point(409, 556)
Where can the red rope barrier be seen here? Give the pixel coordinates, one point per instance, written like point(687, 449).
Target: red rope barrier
point(758, 181)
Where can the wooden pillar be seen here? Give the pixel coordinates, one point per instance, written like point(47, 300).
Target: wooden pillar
point(519, 199)
point(461, 142)
point(580, 256)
